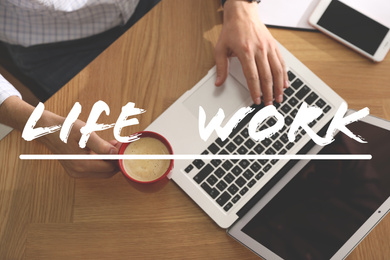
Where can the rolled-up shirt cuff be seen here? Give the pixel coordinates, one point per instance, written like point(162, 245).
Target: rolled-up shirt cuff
point(7, 90)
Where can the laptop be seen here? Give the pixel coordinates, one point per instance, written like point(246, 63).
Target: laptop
point(179, 124)
point(227, 190)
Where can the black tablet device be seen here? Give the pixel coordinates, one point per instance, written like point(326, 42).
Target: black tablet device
point(321, 209)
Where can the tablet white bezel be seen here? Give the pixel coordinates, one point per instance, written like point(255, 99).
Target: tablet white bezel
point(346, 249)
point(380, 53)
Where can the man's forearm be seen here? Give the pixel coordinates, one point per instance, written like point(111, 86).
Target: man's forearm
point(15, 112)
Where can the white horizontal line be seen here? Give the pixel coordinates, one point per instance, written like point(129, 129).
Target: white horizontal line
point(195, 156)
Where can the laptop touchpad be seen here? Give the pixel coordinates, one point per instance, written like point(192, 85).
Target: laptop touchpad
point(230, 97)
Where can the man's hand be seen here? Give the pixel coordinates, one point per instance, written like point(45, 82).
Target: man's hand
point(245, 36)
point(95, 145)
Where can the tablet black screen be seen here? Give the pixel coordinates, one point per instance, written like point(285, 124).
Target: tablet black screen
point(327, 201)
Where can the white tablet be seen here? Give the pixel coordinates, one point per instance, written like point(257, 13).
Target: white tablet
point(322, 209)
point(342, 21)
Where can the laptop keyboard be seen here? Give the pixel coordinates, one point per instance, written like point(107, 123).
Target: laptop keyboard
point(227, 181)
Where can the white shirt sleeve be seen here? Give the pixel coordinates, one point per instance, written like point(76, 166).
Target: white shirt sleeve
point(7, 90)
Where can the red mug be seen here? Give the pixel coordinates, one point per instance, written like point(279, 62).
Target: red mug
point(141, 135)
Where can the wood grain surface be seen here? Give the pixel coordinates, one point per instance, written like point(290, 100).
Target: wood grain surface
point(45, 214)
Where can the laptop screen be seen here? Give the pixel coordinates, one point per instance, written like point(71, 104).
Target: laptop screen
point(327, 201)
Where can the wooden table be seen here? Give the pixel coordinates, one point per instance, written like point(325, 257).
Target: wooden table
point(45, 214)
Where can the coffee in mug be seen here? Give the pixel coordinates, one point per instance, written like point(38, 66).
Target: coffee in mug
point(142, 170)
